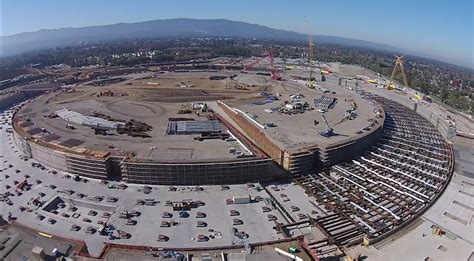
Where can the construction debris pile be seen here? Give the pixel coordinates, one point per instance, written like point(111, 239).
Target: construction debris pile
point(135, 128)
point(172, 255)
point(184, 84)
point(196, 107)
point(232, 83)
point(296, 106)
point(350, 113)
point(98, 114)
point(132, 127)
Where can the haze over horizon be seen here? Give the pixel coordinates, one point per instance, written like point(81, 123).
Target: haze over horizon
point(441, 31)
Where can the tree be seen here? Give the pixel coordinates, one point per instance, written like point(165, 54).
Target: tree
point(444, 93)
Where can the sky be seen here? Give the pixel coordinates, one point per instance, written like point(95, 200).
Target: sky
point(438, 29)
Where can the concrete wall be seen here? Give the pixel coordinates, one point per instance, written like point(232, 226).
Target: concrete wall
point(457, 138)
point(256, 134)
point(349, 149)
point(74, 164)
point(48, 157)
point(44, 155)
point(178, 173)
point(301, 162)
point(96, 168)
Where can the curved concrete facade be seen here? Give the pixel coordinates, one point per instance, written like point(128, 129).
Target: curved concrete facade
point(196, 173)
point(211, 172)
point(309, 157)
point(208, 172)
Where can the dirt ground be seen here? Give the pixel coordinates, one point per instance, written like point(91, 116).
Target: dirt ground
point(174, 89)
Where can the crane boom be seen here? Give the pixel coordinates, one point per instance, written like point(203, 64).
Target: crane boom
point(275, 72)
point(398, 64)
point(310, 56)
point(325, 121)
point(327, 132)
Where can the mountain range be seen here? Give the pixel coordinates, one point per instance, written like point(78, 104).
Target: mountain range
point(181, 27)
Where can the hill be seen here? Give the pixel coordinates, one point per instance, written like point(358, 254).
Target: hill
point(49, 38)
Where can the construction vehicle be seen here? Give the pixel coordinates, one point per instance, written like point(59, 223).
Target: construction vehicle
point(398, 64)
point(234, 84)
point(311, 84)
point(350, 113)
point(327, 132)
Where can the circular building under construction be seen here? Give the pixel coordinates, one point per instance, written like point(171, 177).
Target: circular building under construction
point(192, 130)
point(195, 129)
point(360, 166)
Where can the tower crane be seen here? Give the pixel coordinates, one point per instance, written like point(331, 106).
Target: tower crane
point(398, 64)
point(310, 57)
point(312, 80)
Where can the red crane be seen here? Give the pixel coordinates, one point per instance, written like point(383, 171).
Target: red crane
point(252, 64)
point(275, 72)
